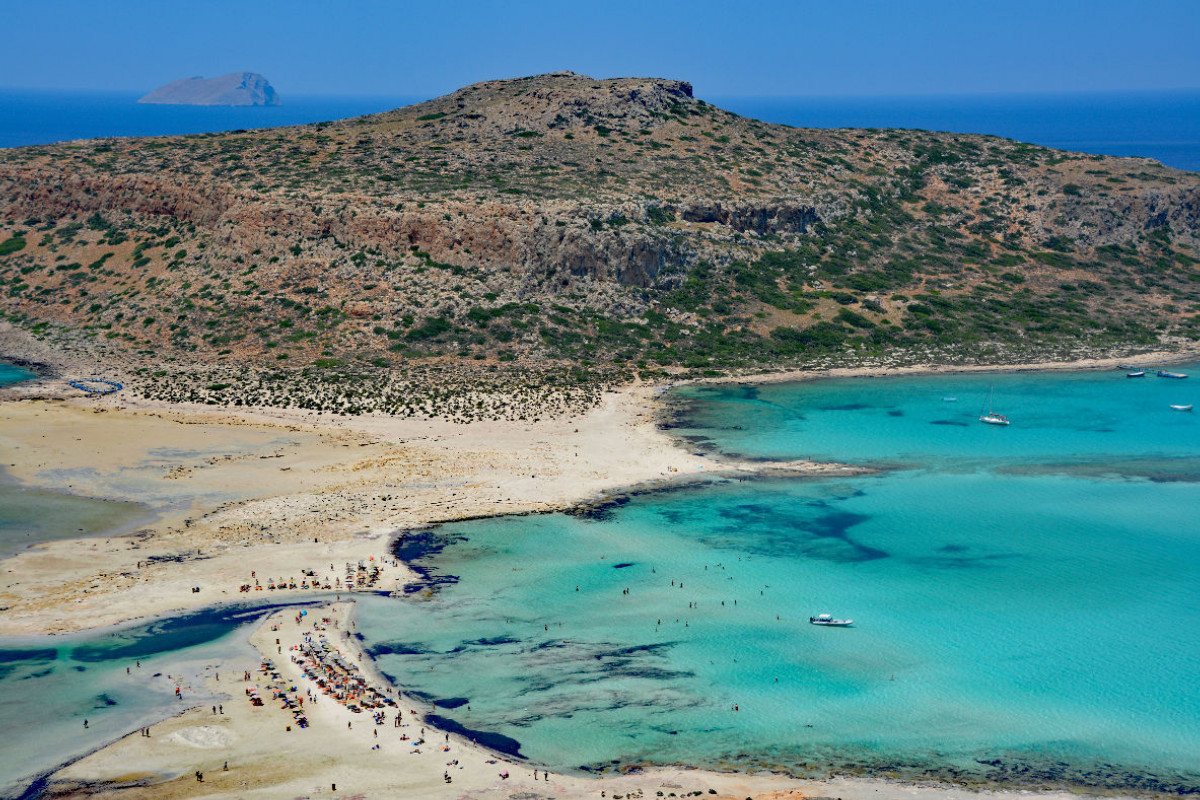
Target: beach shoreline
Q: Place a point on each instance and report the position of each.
(1148, 360)
(238, 753)
(446, 473)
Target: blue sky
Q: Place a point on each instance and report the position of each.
(836, 47)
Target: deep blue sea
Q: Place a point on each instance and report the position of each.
(1025, 598)
(1160, 125)
(30, 116)
(1164, 126)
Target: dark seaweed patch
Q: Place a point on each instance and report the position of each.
(770, 530)
(396, 649)
(493, 741)
(416, 547)
(599, 512)
(37, 654)
(166, 635)
(491, 641)
(955, 423)
(451, 702)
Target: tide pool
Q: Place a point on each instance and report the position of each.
(11, 374)
(29, 516)
(1025, 598)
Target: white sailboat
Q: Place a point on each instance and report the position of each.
(991, 417)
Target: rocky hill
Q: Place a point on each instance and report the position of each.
(234, 89)
(547, 230)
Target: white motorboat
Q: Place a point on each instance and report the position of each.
(1141, 373)
(1188, 407)
(829, 621)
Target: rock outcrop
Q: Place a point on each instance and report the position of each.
(234, 89)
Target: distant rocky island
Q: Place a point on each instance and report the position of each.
(234, 89)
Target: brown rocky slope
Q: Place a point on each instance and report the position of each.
(559, 231)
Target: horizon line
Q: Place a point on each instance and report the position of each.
(720, 95)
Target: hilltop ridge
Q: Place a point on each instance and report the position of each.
(559, 228)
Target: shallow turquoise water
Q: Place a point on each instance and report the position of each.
(1089, 418)
(1023, 596)
(11, 374)
(50, 684)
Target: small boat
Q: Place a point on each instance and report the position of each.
(991, 417)
(949, 399)
(1176, 375)
(829, 621)
(1138, 374)
(1188, 407)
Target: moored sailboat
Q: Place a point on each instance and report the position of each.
(991, 417)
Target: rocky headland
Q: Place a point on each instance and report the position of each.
(556, 234)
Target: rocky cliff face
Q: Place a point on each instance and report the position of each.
(558, 218)
(234, 89)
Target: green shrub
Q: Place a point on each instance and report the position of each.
(12, 245)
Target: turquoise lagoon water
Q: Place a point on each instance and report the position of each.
(11, 374)
(1026, 598)
(50, 684)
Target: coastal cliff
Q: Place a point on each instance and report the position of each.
(559, 227)
(234, 89)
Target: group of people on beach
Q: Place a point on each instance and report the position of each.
(363, 575)
(335, 675)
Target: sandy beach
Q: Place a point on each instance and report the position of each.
(266, 497)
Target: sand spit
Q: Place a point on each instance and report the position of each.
(273, 495)
(264, 497)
